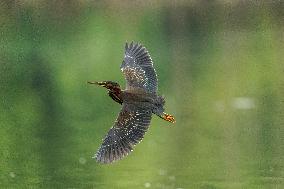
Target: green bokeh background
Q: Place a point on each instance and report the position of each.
(220, 65)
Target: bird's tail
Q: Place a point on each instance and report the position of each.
(168, 117)
(160, 110)
(161, 100)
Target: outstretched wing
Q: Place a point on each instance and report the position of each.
(138, 69)
(128, 130)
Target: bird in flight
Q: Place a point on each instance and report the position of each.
(139, 101)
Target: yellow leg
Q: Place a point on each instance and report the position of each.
(168, 117)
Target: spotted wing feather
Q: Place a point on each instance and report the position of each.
(138, 69)
(128, 130)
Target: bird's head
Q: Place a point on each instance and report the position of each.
(110, 85)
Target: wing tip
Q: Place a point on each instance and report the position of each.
(132, 46)
(119, 143)
(137, 51)
(108, 154)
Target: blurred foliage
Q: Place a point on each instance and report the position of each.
(220, 66)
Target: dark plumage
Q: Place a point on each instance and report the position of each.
(139, 101)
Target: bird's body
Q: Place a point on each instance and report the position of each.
(138, 98)
(139, 101)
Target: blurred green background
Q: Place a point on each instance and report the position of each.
(220, 66)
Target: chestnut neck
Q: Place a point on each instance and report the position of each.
(115, 94)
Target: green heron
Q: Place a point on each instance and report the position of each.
(139, 101)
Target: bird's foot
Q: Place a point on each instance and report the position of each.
(168, 118)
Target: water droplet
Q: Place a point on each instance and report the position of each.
(243, 103)
(12, 174)
(147, 185)
(82, 160)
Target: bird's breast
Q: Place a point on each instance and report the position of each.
(116, 96)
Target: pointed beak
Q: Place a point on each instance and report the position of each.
(103, 84)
